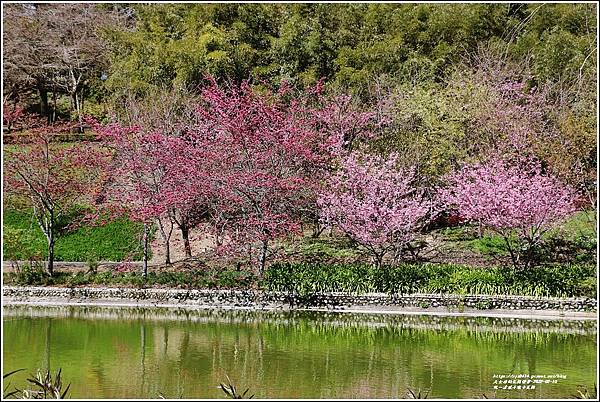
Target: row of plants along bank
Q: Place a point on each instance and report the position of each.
(564, 280)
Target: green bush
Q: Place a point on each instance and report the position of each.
(34, 274)
(31, 274)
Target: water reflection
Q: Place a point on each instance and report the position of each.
(129, 353)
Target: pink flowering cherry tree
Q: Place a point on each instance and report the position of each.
(55, 178)
(264, 160)
(375, 204)
(11, 114)
(153, 179)
(512, 198)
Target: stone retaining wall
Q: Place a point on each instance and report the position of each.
(279, 300)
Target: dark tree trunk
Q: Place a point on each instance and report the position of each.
(377, 260)
(317, 230)
(185, 234)
(263, 257)
(53, 118)
(43, 93)
(146, 232)
(168, 253)
(167, 239)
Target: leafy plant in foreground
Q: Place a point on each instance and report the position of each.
(231, 391)
(45, 386)
(584, 393)
(5, 392)
(419, 395)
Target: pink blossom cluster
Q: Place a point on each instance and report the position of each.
(11, 114)
(374, 203)
(510, 195)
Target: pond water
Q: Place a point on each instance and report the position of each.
(143, 353)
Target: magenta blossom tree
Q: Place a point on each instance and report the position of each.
(514, 199)
(248, 164)
(264, 160)
(375, 204)
(147, 178)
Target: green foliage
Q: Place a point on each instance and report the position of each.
(349, 44)
(492, 245)
(23, 244)
(31, 274)
(307, 279)
(327, 249)
(574, 241)
(584, 393)
(194, 279)
(115, 241)
(580, 225)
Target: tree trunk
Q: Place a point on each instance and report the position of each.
(168, 253)
(514, 255)
(146, 232)
(185, 234)
(317, 230)
(50, 262)
(167, 239)
(53, 118)
(78, 109)
(44, 102)
(377, 260)
(263, 257)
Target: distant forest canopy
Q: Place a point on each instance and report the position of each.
(452, 78)
(99, 51)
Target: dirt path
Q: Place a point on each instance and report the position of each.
(199, 242)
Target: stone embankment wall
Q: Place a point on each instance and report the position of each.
(279, 300)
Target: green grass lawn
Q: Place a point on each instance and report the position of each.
(115, 241)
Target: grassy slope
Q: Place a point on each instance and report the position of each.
(579, 228)
(115, 241)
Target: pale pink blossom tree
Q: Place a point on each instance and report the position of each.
(375, 204)
(512, 198)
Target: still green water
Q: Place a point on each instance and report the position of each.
(142, 353)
